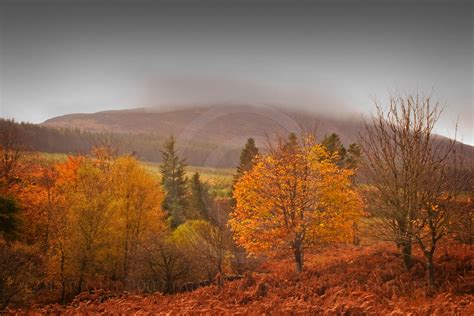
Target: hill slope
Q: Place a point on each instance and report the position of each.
(209, 135)
(231, 125)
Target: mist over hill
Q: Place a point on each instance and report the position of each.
(207, 135)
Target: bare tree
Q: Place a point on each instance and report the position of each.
(407, 166)
(11, 149)
(105, 146)
(164, 264)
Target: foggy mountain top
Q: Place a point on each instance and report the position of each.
(174, 93)
(330, 58)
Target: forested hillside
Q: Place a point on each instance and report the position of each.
(143, 146)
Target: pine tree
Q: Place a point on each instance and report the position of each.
(348, 158)
(9, 222)
(174, 182)
(199, 198)
(246, 157)
(353, 156)
(334, 145)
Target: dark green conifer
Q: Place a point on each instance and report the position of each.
(9, 222)
(246, 157)
(199, 198)
(174, 182)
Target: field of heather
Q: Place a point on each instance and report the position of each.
(338, 280)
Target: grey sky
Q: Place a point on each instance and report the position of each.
(59, 58)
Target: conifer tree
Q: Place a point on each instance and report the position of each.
(174, 182)
(353, 156)
(334, 145)
(348, 158)
(246, 161)
(198, 198)
(9, 222)
(246, 157)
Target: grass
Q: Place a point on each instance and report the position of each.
(218, 179)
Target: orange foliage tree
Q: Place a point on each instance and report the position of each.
(294, 197)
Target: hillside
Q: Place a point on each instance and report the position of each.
(340, 280)
(209, 135)
(230, 125)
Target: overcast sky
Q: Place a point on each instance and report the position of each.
(59, 57)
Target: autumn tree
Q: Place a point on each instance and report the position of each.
(11, 150)
(247, 156)
(105, 146)
(173, 179)
(136, 210)
(90, 211)
(103, 211)
(407, 165)
(464, 222)
(34, 194)
(164, 264)
(294, 197)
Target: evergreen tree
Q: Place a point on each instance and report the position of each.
(353, 156)
(174, 182)
(9, 222)
(334, 145)
(246, 157)
(199, 198)
(246, 161)
(348, 158)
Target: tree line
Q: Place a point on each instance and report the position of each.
(144, 146)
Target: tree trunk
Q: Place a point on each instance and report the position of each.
(355, 234)
(470, 228)
(298, 258)
(430, 278)
(63, 282)
(406, 253)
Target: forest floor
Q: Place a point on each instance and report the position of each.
(338, 280)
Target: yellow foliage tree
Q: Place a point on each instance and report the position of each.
(104, 210)
(295, 196)
(136, 209)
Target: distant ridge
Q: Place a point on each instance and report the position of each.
(230, 125)
(209, 135)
